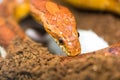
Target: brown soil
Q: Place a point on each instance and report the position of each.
(32, 61)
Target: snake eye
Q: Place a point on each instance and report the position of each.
(78, 34)
(61, 41)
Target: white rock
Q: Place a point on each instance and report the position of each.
(1, 1)
(35, 35)
(3, 52)
(90, 41)
(32, 33)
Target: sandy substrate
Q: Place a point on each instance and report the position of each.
(31, 61)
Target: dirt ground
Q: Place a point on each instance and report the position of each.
(32, 61)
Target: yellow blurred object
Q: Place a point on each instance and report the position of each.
(103, 5)
(21, 10)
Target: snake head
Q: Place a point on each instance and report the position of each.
(59, 22)
(67, 40)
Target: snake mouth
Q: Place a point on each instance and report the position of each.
(70, 47)
(70, 52)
